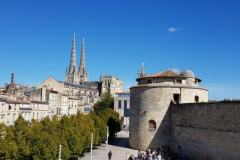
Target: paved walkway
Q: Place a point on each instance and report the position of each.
(119, 151)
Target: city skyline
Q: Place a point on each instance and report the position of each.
(36, 39)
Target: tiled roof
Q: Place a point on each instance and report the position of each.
(162, 74)
(167, 74)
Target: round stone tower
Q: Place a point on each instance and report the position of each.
(150, 100)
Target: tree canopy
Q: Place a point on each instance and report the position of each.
(40, 140)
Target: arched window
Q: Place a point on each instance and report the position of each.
(151, 125)
(196, 99)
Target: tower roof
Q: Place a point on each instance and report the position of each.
(171, 74)
(187, 74)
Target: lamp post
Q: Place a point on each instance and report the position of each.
(107, 138)
(91, 144)
(60, 152)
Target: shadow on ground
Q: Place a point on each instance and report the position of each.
(120, 142)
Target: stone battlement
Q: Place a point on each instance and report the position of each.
(206, 130)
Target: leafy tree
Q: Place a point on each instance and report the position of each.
(40, 140)
(105, 102)
(21, 132)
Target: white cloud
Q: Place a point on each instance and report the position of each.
(173, 29)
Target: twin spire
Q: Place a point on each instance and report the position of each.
(73, 56)
(72, 76)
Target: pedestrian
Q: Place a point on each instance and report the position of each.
(139, 156)
(131, 157)
(109, 155)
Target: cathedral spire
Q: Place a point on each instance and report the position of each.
(81, 69)
(73, 56)
(82, 72)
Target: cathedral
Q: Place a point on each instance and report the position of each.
(76, 93)
(55, 97)
(72, 74)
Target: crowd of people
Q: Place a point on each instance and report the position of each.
(156, 154)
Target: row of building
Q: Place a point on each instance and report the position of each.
(53, 97)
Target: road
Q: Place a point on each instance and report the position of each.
(119, 151)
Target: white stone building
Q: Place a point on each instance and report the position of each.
(122, 106)
(111, 84)
(40, 110)
(11, 109)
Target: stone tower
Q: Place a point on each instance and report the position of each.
(82, 72)
(72, 75)
(150, 101)
(12, 78)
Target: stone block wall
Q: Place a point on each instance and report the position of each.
(209, 131)
(149, 103)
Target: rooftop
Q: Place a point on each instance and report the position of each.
(171, 74)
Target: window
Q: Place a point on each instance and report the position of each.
(176, 98)
(151, 125)
(149, 80)
(119, 104)
(58, 111)
(125, 104)
(9, 107)
(178, 81)
(196, 99)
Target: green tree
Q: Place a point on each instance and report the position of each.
(21, 133)
(105, 102)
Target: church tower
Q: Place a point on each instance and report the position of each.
(71, 74)
(82, 72)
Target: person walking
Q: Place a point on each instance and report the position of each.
(139, 155)
(109, 155)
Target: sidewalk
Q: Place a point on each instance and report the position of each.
(119, 151)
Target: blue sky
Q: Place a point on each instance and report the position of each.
(201, 35)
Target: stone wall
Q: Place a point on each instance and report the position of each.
(208, 131)
(188, 95)
(151, 102)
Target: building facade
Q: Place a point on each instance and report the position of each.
(122, 106)
(111, 84)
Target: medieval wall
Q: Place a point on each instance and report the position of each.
(188, 95)
(208, 131)
(151, 102)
